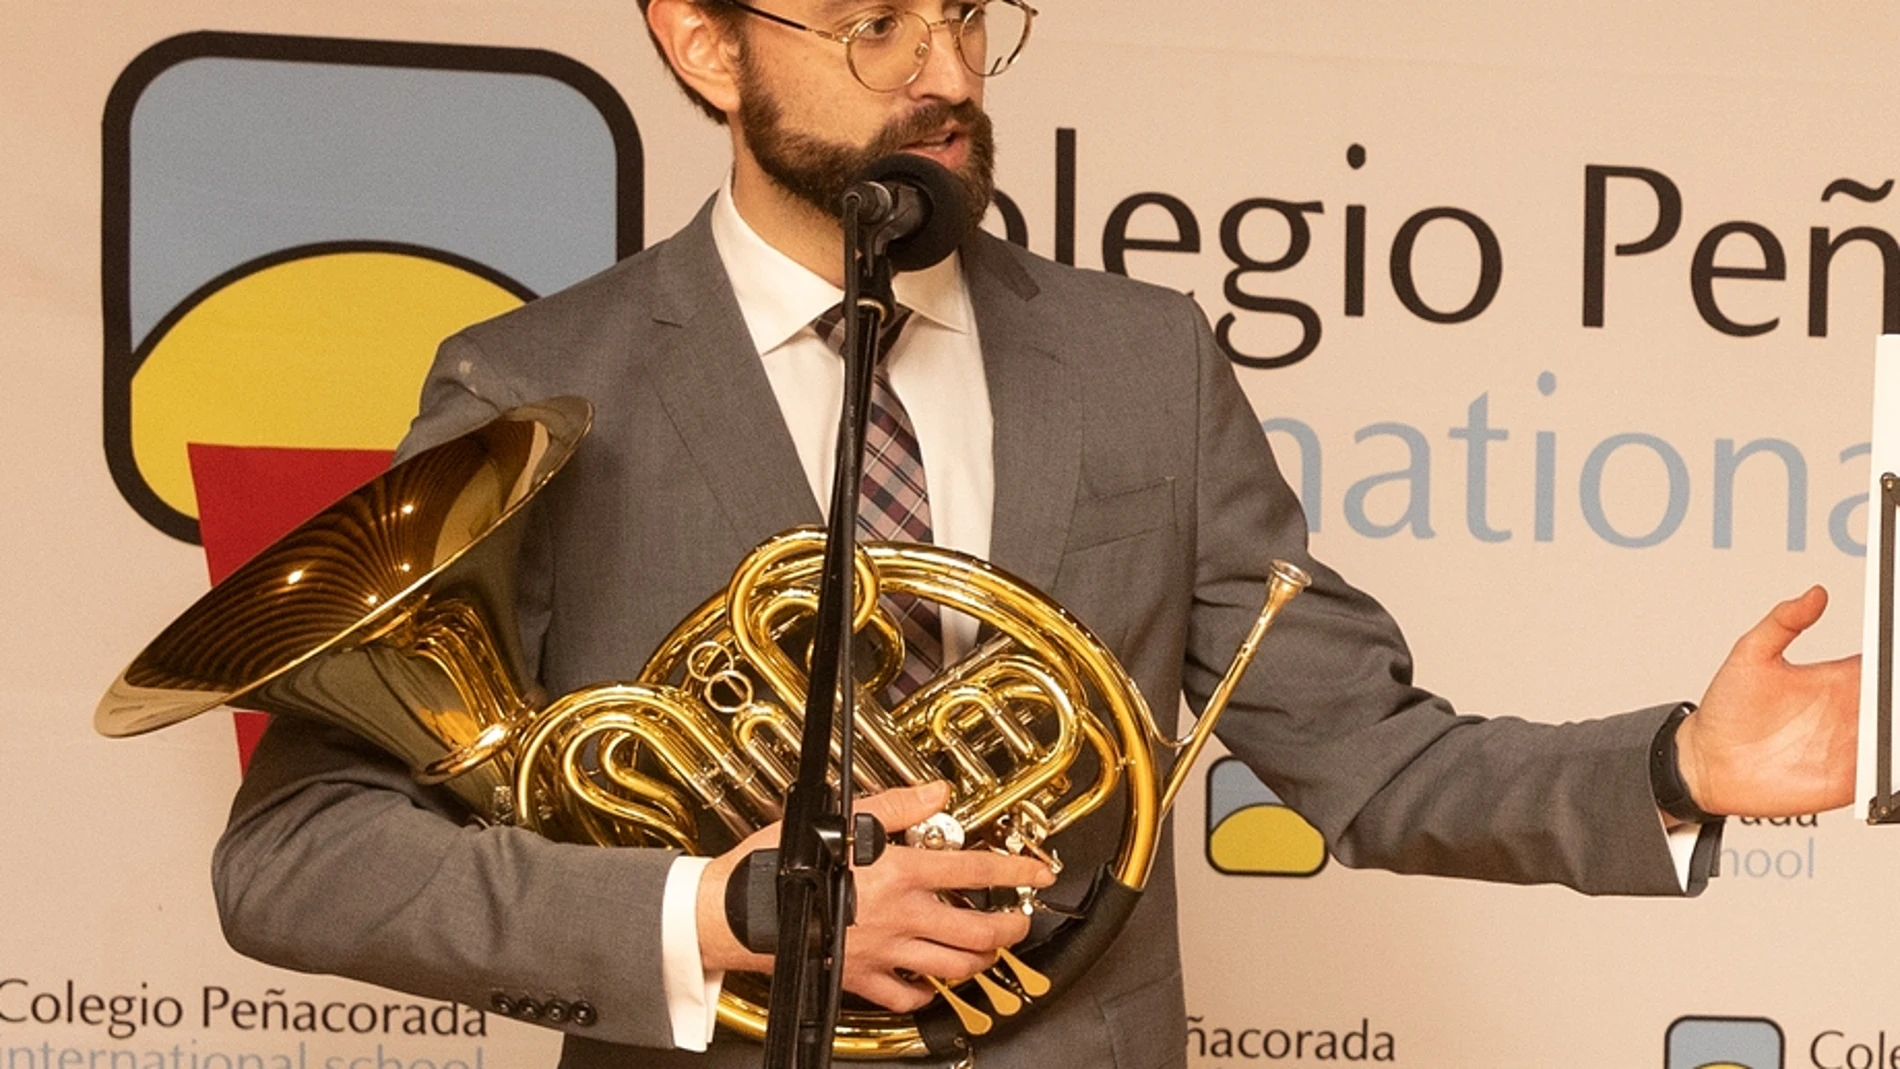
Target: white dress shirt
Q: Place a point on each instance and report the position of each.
(936, 369)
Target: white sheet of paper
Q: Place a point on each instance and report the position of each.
(1885, 459)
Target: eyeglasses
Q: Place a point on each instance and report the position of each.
(887, 48)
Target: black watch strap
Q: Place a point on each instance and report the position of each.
(1665, 773)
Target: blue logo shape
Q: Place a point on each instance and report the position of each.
(1724, 1043)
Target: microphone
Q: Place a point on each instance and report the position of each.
(916, 205)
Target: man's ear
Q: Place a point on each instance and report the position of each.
(699, 50)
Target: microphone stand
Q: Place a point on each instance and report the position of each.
(816, 896)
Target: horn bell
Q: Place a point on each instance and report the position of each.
(335, 622)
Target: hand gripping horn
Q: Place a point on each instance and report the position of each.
(389, 614)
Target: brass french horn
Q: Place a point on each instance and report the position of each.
(390, 614)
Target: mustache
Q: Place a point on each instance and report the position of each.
(927, 120)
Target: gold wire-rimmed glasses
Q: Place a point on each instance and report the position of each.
(886, 47)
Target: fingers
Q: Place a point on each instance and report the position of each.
(1800, 613)
(960, 870)
(890, 991)
(900, 920)
(900, 807)
(936, 870)
(1768, 639)
(949, 964)
(898, 897)
(888, 971)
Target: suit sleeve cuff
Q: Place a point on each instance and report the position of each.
(692, 993)
(1695, 849)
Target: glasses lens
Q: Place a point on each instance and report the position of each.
(887, 49)
(993, 36)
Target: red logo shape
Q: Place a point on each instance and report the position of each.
(250, 496)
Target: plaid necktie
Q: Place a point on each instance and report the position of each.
(893, 504)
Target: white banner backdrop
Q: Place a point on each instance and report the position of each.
(1594, 292)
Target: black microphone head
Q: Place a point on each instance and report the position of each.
(947, 221)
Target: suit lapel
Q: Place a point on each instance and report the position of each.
(709, 377)
(715, 391)
(1035, 400)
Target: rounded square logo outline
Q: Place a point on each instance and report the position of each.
(120, 358)
(1781, 1037)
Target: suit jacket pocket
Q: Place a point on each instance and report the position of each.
(1123, 514)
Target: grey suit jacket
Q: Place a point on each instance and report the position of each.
(1133, 483)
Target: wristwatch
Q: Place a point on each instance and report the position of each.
(1665, 773)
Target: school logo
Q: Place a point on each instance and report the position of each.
(292, 224)
(1251, 832)
(1724, 1043)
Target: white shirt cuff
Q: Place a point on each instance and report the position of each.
(692, 993)
(1682, 839)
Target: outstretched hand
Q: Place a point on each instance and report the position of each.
(1773, 738)
(903, 931)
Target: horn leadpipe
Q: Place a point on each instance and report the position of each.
(1284, 581)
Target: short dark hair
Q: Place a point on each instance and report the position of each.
(727, 18)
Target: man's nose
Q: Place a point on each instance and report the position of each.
(944, 74)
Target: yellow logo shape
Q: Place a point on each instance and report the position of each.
(1267, 838)
(327, 350)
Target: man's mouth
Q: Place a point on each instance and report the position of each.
(936, 143)
(947, 147)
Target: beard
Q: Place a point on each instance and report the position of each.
(819, 172)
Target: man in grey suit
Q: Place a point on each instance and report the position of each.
(1082, 431)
